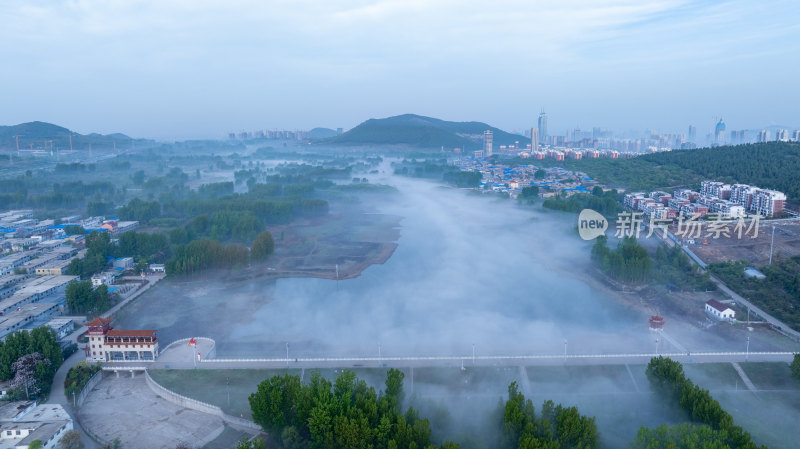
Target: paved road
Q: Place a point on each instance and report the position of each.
(465, 360)
(57, 397)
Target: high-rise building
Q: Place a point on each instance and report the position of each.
(534, 139)
(763, 135)
(542, 127)
(487, 143)
(595, 133)
(339, 131)
(782, 135)
(796, 135)
(719, 133)
(692, 133)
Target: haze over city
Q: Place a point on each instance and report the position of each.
(174, 70)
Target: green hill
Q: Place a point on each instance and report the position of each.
(36, 133)
(419, 131)
(321, 133)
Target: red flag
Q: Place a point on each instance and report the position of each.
(192, 342)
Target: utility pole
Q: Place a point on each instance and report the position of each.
(772, 244)
(287, 353)
(565, 349)
(473, 354)
(379, 353)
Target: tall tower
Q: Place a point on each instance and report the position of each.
(487, 143)
(542, 127)
(534, 139)
(692, 133)
(719, 133)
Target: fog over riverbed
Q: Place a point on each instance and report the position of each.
(468, 270)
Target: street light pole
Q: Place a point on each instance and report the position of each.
(565, 349)
(473, 354)
(287, 353)
(747, 356)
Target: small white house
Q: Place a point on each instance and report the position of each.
(157, 267)
(719, 310)
(104, 278)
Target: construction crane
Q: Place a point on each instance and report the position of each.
(17, 137)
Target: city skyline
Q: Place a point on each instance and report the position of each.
(173, 71)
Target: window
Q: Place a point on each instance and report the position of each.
(19, 432)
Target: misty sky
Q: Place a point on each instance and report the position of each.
(181, 69)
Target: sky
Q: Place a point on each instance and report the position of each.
(179, 69)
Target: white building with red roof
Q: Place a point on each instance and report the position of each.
(719, 310)
(107, 344)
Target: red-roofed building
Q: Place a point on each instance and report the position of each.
(719, 310)
(107, 344)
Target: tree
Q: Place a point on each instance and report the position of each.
(74, 230)
(394, 386)
(25, 370)
(796, 366)
(83, 298)
(35, 444)
(70, 440)
(263, 246)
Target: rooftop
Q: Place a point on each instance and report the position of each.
(718, 305)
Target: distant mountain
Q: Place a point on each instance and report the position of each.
(43, 135)
(419, 131)
(321, 133)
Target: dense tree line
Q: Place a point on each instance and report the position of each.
(345, 413)
(83, 298)
(468, 179)
(667, 377)
(41, 341)
(139, 210)
(604, 202)
(796, 366)
(204, 254)
(629, 262)
(772, 165)
(215, 190)
(98, 249)
(778, 294)
(555, 427)
(672, 266)
(681, 436)
(141, 245)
